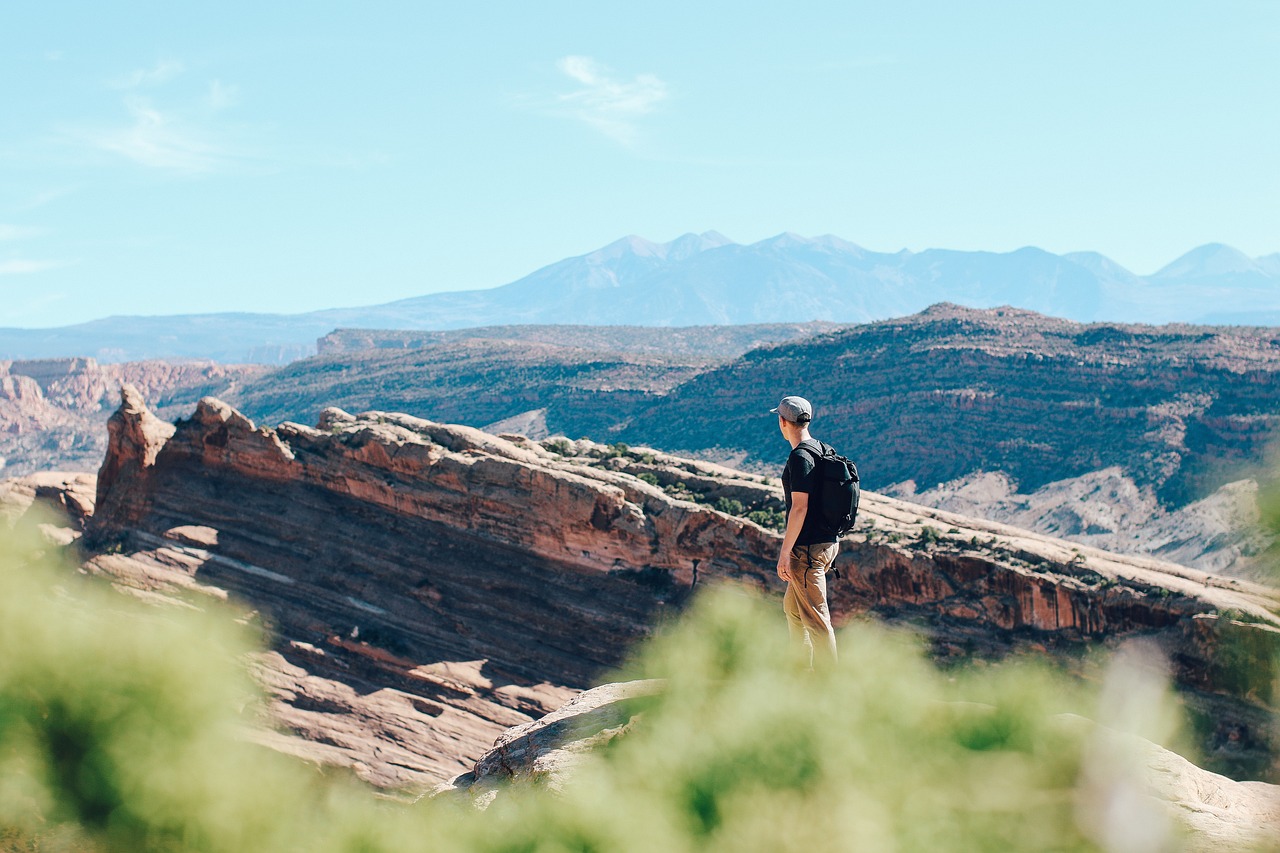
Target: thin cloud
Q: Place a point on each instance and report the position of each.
(25, 267)
(160, 139)
(161, 72)
(609, 105)
(40, 199)
(221, 96)
(18, 232)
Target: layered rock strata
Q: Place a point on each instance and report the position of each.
(429, 585)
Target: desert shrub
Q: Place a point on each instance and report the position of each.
(679, 490)
(119, 727)
(615, 450)
(562, 446)
(646, 477)
(729, 506)
(771, 519)
(929, 535)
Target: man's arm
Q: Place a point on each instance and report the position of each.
(795, 522)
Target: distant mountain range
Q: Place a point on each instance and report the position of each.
(706, 278)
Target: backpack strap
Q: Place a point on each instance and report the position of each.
(817, 452)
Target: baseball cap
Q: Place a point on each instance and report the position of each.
(794, 409)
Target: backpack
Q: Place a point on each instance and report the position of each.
(838, 487)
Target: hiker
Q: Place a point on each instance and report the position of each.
(808, 548)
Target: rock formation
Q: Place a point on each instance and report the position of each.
(428, 586)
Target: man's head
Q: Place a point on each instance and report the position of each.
(794, 414)
(794, 410)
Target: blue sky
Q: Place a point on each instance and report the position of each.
(177, 157)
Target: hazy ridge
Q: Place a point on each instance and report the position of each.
(709, 279)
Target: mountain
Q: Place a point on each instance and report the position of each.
(708, 279)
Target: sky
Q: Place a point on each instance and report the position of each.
(174, 157)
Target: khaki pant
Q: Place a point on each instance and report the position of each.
(808, 617)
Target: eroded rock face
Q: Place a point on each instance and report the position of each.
(135, 438)
(481, 579)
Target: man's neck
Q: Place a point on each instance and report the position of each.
(797, 437)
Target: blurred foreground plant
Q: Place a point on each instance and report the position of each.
(121, 729)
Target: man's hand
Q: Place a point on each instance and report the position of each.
(795, 523)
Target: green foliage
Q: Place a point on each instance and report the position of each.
(729, 506)
(562, 446)
(679, 490)
(771, 519)
(647, 477)
(119, 730)
(929, 535)
(744, 751)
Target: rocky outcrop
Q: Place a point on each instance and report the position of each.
(482, 579)
(135, 437)
(62, 503)
(546, 751)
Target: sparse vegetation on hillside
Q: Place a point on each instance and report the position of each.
(951, 391)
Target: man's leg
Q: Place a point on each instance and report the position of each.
(809, 563)
(795, 625)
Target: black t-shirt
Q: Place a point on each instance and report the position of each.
(799, 476)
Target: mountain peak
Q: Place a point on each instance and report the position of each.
(629, 245)
(1100, 265)
(1208, 260)
(785, 240)
(690, 244)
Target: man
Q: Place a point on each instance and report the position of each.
(807, 548)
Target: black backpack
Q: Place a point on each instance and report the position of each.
(838, 487)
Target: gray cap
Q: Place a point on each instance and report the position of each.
(794, 409)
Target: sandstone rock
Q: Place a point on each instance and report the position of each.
(135, 438)
(545, 752)
(70, 495)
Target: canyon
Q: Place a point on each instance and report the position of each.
(424, 586)
(1137, 439)
(53, 412)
